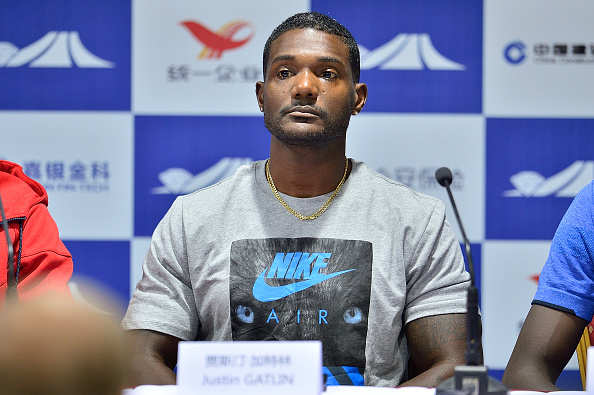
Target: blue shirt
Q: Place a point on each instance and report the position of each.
(567, 280)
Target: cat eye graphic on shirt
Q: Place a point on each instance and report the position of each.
(353, 315)
(245, 314)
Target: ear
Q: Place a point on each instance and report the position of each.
(361, 97)
(260, 94)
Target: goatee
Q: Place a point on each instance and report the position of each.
(332, 129)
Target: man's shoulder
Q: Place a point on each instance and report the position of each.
(586, 196)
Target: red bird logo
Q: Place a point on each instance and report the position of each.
(222, 40)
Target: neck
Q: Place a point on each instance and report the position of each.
(303, 172)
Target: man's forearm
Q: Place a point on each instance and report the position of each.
(528, 378)
(153, 356)
(436, 344)
(149, 370)
(431, 377)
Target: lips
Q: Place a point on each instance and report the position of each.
(303, 111)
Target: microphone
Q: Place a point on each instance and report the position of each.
(472, 378)
(10, 281)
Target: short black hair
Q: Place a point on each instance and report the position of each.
(321, 22)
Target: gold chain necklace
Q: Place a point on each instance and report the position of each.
(321, 210)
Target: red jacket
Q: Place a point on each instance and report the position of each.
(41, 261)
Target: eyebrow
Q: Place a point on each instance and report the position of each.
(322, 59)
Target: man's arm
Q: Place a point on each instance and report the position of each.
(436, 344)
(153, 356)
(546, 343)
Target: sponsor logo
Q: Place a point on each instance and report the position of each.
(178, 181)
(551, 53)
(407, 52)
(54, 50)
(70, 177)
(231, 36)
(514, 53)
(566, 183)
(215, 43)
(292, 266)
(422, 178)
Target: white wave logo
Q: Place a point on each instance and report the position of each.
(566, 183)
(407, 52)
(179, 181)
(54, 50)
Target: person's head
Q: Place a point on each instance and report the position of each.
(309, 91)
(52, 345)
(321, 22)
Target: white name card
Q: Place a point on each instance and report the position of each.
(251, 367)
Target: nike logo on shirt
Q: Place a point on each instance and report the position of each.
(268, 293)
(281, 267)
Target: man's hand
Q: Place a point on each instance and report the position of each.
(436, 344)
(153, 357)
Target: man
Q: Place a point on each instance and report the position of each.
(309, 244)
(41, 261)
(563, 304)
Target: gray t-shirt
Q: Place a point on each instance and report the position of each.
(229, 262)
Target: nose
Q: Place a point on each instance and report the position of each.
(305, 86)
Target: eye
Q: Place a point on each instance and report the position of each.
(282, 74)
(328, 74)
(353, 315)
(245, 314)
